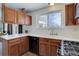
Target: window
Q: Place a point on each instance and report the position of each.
(54, 19)
(43, 21)
(50, 20)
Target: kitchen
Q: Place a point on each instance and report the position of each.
(28, 29)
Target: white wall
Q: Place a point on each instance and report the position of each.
(66, 30)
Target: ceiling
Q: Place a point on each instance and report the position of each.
(29, 7)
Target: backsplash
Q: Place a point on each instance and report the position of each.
(65, 31)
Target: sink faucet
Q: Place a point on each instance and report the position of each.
(53, 33)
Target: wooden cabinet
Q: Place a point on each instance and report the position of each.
(9, 15)
(54, 44)
(53, 50)
(14, 50)
(11, 47)
(15, 47)
(20, 17)
(44, 47)
(24, 45)
(12, 16)
(70, 11)
(28, 20)
(48, 47)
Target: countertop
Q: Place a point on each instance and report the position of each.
(60, 37)
(9, 37)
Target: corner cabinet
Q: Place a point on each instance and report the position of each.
(15, 47)
(9, 15)
(70, 12)
(48, 47)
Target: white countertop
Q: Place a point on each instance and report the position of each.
(9, 37)
(60, 37)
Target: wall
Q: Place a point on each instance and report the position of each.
(65, 30)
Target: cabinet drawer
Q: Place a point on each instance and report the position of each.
(44, 40)
(14, 41)
(55, 42)
(23, 38)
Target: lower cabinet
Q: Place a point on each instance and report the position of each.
(14, 50)
(18, 46)
(15, 47)
(43, 49)
(53, 50)
(24, 46)
(48, 47)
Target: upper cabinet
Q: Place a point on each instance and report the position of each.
(28, 20)
(9, 15)
(70, 11)
(20, 17)
(23, 18)
(12, 16)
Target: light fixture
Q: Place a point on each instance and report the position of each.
(50, 4)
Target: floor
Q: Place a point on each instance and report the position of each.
(29, 54)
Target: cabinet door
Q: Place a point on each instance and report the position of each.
(24, 45)
(9, 15)
(20, 17)
(54, 45)
(43, 49)
(13, 47)
(28, 20)
(53, 50)
(14, 50)
(70, 14)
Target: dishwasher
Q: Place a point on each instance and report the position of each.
(34, 44)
